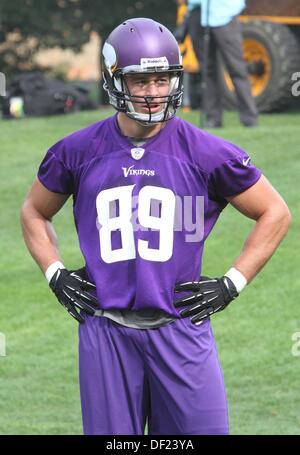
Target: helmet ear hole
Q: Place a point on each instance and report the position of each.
(118, 84)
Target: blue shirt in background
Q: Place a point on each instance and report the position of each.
(220, 13)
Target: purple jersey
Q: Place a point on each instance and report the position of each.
(142, 214)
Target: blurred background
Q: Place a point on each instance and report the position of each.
(49, 53)
(62, 39)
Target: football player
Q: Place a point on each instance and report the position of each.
(138, 178)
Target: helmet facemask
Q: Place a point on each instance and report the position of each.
(121, 98)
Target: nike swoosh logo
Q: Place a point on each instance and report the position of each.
(246, 161)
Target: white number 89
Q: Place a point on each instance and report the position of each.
(164, 223)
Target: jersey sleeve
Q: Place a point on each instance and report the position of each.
(53, 172)
(232, 176)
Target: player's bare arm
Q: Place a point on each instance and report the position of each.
(37, 212)
(70, 288)
(262, 203)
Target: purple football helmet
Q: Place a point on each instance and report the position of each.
(142, 46)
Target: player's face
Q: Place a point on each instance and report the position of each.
(148, 85)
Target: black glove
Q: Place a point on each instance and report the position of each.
(71, 288)
(209, 295)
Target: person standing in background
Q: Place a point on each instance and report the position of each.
(219, 19)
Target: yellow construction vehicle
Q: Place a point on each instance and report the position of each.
(271, 40)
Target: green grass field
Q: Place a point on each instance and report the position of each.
(39, 392)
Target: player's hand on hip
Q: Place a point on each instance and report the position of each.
(72, 291)
(206, 297)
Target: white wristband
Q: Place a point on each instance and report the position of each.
(237, 278)
(52, 269)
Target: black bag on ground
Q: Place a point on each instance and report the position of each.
(36, 95)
